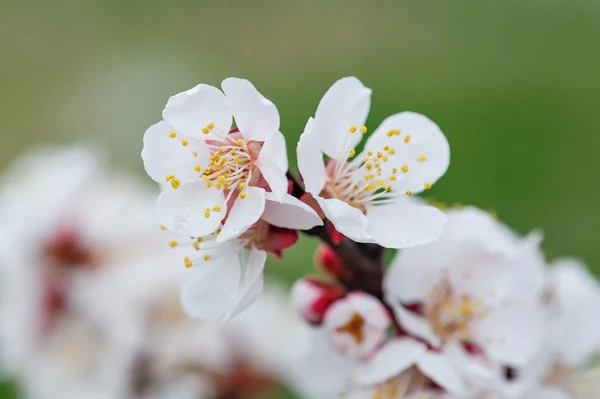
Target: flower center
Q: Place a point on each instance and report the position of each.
(354, 327)
(408, 382)
(367, 178)
(449, 315)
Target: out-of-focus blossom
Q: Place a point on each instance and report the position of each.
(216, 175)
(311, 298)
(327, 260)
(478, 285)
(365, 195)
(70, 234)
(356, 325)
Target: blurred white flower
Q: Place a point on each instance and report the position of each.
(356, 325)
(214, 172)
(478, 285)
(67, 232)
(366, 197)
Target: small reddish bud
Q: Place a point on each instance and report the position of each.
(326, 259)
(311, 297)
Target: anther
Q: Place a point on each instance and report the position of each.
(163, 228)
(363, 129)
(352, 129)
(217, 208)
(208, 184)
(206, 257)
(205, 130)
(242, 195)
(175, 182)
(404, 168)
(407, 138)
(427, 185)
(240, 142)
(172, 134)
(173, 243)
(184, 142)
(195, 153)
(211, 125)
(187, 262)
(408, 192)
(207, 213)
(352, 153)
(197, 168)
(242, 185)
(394, 170)
(169, 177)
(422, 158)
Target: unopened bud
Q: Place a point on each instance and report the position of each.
(327, 260)
(311, 297)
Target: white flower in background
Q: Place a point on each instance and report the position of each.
(356, 325)
(478, 285)
(365, 195)
(67, 232)
(227, 277)
(213, 172)
(404, 368)
(572, 344)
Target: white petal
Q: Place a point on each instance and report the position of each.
(310, 160)
(426, 139)
(244, 213)
(223, 287)
(165, 156)
(182, 210)
(252, 276)
(393, 358)
(407, 281)
(255, 116)
(348, 220)
(416, 325)
(404, 223)
(442, 372)
(345, 104)
(290, 213)
(273, 164)
(192, 110)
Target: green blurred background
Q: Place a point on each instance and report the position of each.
(514, 84)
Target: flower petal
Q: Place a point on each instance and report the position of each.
(404, 223)
(165, 156)
(310, 160)
(192, 110)
(348, 220)
(183, 210)
(345, 104)
(244, 213)
(393, 358)
(223, 287)
(426, 154)
(273, 164)
(415, 324)
(290, 213)
(442, 372)
(255, 116)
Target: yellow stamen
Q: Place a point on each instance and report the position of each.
(352, 129)
(175, 183)
(242, 195)
(217, 208)
(206, 257)
(404, 168)
(240, 142)
(394, 170)
(205, 130)
(407, 138)
(197, 168)
(207, 213)
(427, 185)
(408, 192)
(184, 142)
(393, 178)
(388, 187)
(369, 153)
(196, 246)
(169, 177)
(187, 262)
(208, 184)
(421, 158)
(163, 228)
(172, 134)
(242, 185)
(195, 153)
(363, 129)
(173, 243)
(211, 125)
(352, 153)
(218, 186)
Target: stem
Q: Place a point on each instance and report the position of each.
(362, 263)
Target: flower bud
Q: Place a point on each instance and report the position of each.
(311, 297)
(356, 325)
(327, 260)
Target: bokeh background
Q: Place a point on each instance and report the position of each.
(514, 84)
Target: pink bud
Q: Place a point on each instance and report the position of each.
(327, 260)
(311, 297)
(356, 325)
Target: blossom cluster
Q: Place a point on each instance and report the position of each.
(466, 308)
(112, 290)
